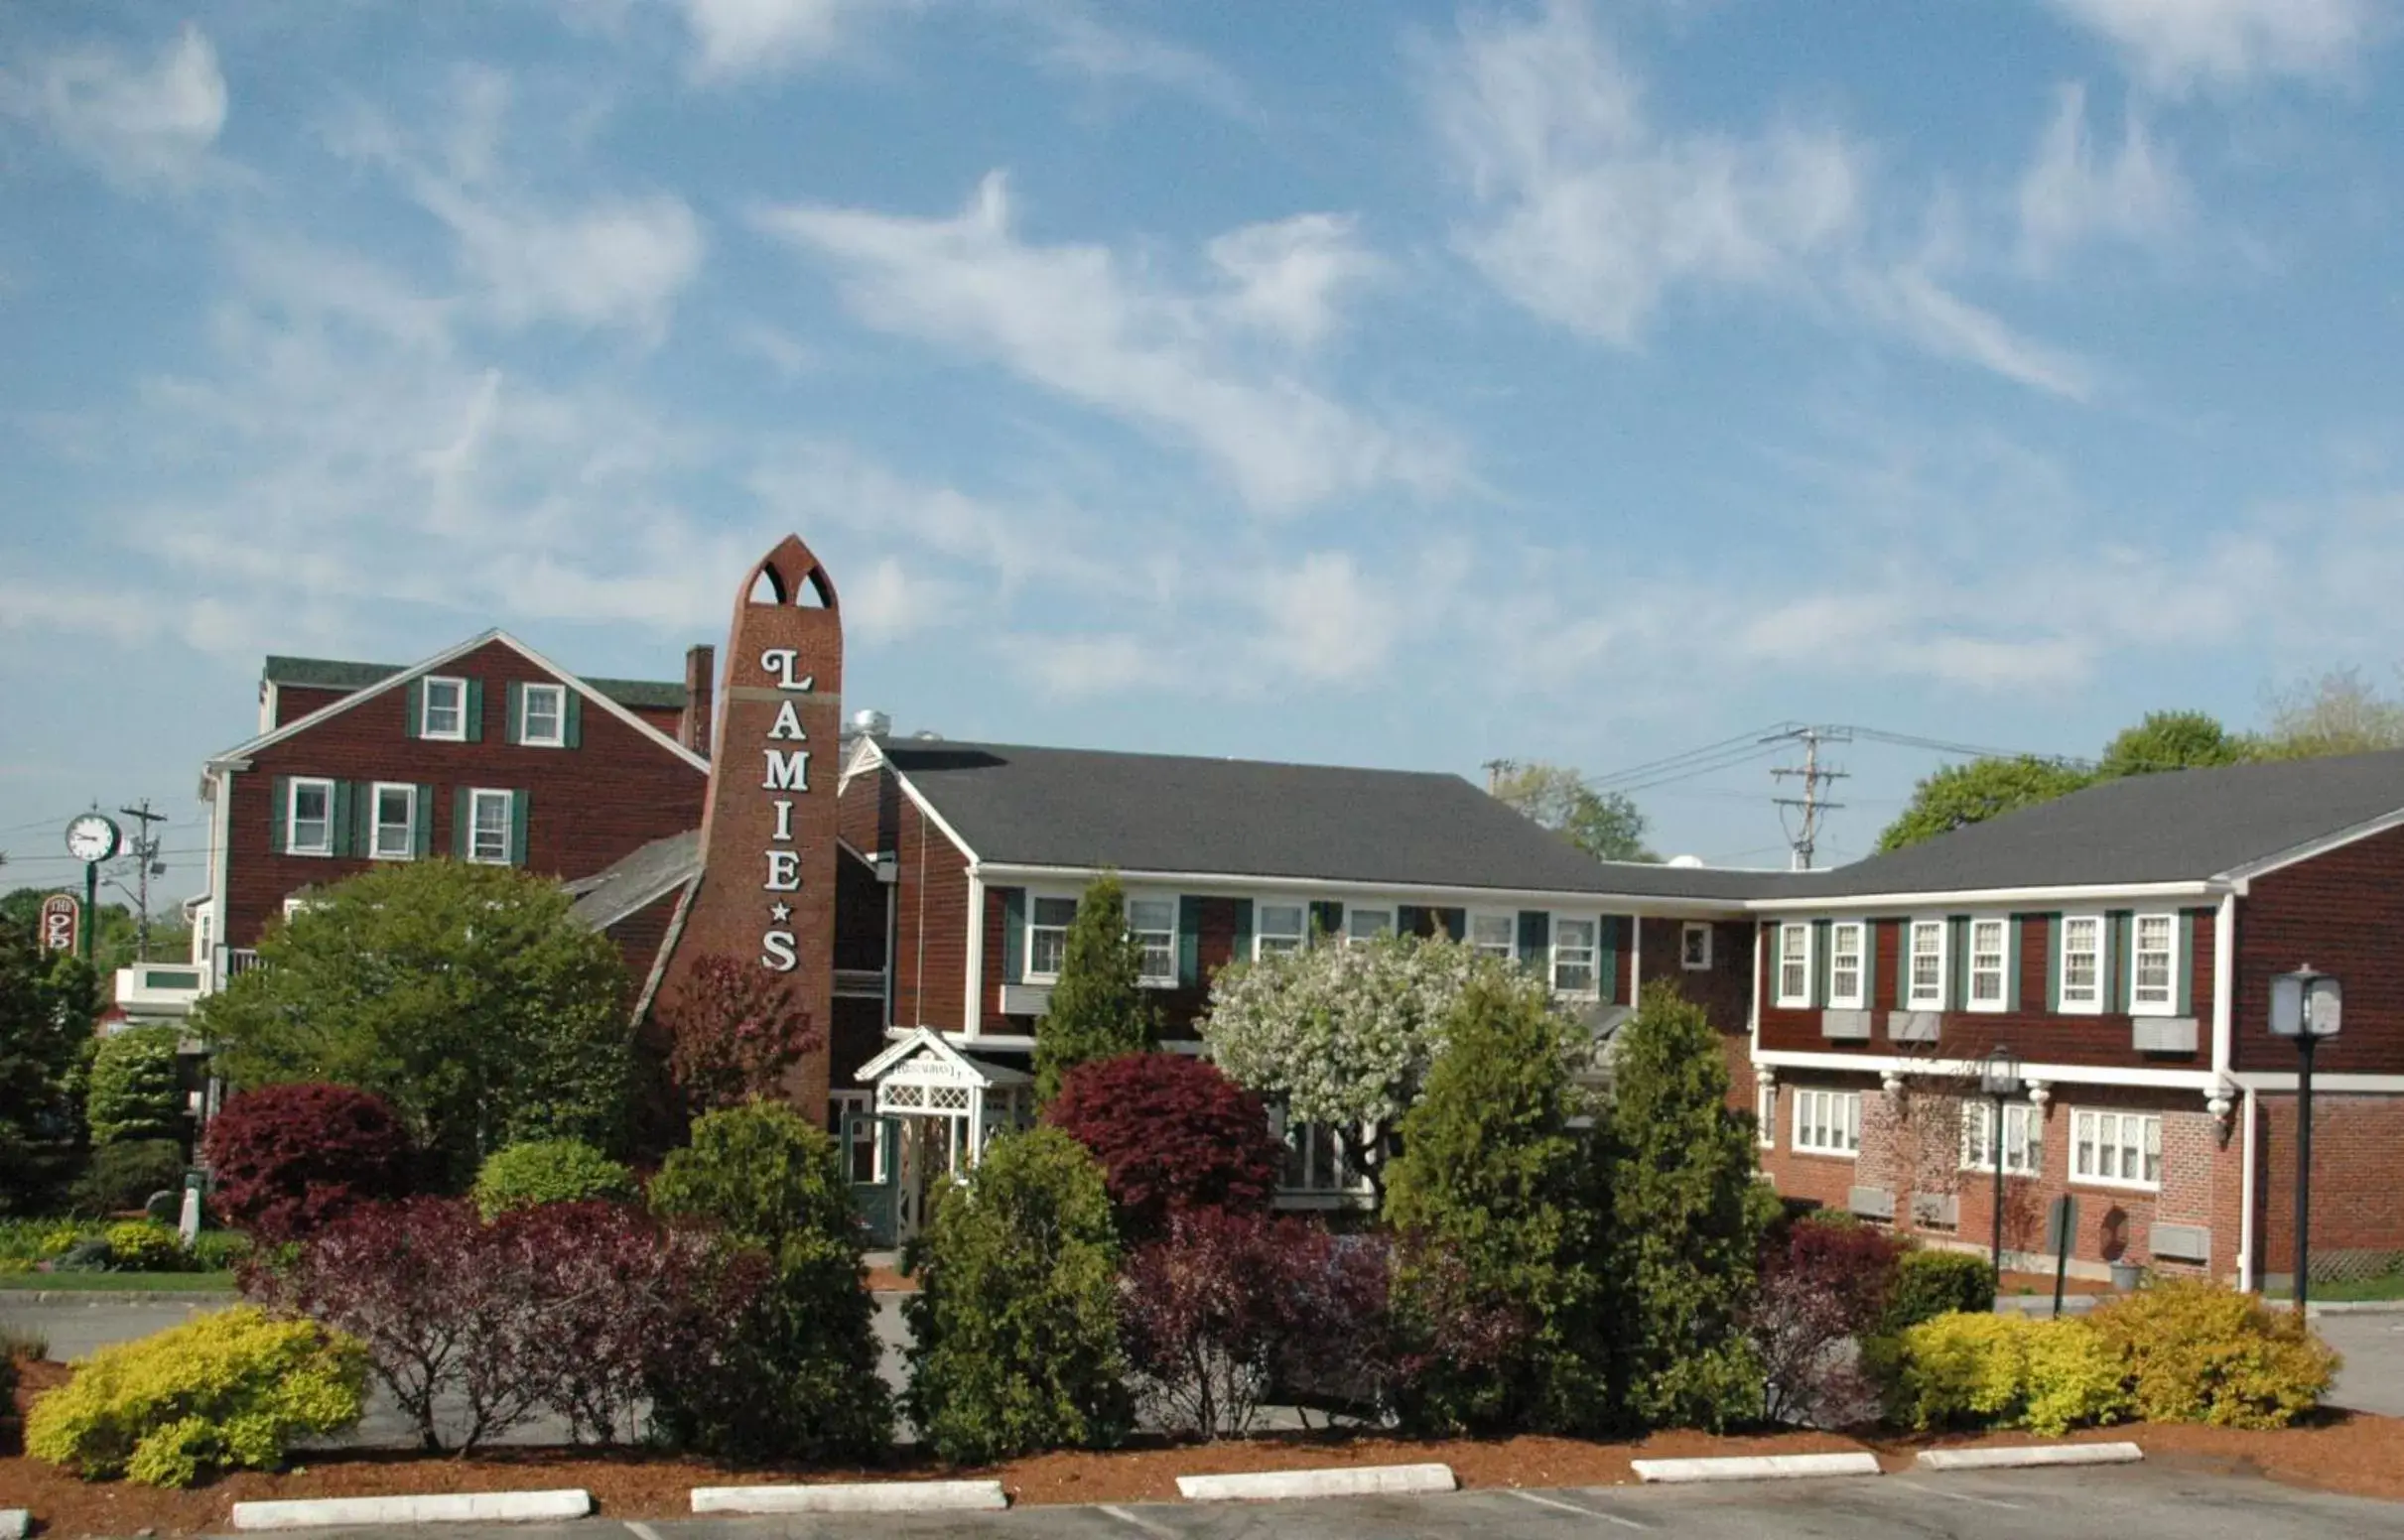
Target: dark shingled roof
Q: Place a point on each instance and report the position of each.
(620, 889)
(334, 674)
(2179, 826)
(1086, 809)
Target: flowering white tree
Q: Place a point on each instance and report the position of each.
(1342, 1035)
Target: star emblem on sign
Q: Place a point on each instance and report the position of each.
(780, 913)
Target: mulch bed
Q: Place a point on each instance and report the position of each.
(2340, 1452)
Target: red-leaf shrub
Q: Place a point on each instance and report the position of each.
(733, 1030)
(289, 1158)
(1172, 1133)
(473, 1328)
(1830, 1286)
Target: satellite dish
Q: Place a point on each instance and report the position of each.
(1687, 862)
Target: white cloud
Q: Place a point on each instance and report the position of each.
(2067, 197)
(138, 124)
(1093, 664)
(2176, 46)
(757, 37)
(1912, 304)
(1322, 620)
(1078, 41)
(1130, 341)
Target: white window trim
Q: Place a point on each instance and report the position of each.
(1912, 998)
(2168, 1006)
(425, 723)
(2003, 970)
(1026, 938)
(1510, 927)
(2126, 1184)
(477, 796)
(1394, 921)
(1176, 903)
(1778, 963)
(1765, 1113)
(558, 717)
(375, 820)
(2092, 1006)
(1859, 998)
(1803, 1096)
(2029, 1145)
(1300, 939)
(1687, 932)
(1593, 950)
(292, 804)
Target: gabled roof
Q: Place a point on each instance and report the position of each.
(636, 879)
(1084, 810)
(2182, 825)
(364, 692)
(337, 673)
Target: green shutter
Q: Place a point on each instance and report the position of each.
(1869, 964)
(421, 818)
(1536, 936)
(1326, 918)
(1456, 923)
(1189, 941)
(476, 711)
(1243, 940)
(1407, 918)
(2118, 927)
(513, 725)
(571, 720)
(462, 824)
(518, 804)
(276, 835)
(2011, 961)
(1903, 963)
(1820, 960)
(2184, 989)
(1013, 936)
(2052, 964)
(1957, 961)
(1606, 959)
(417, 707)
(342, 838)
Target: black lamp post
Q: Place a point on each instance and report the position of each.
(2304, 1005)
(1999, 1081)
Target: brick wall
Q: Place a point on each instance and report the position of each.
(930, 899)
(2357, 1210)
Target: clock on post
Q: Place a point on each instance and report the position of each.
(92, 839)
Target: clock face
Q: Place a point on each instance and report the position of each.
(91, 838)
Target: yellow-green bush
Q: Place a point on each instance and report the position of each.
(2200, 1352)
(2008, 1370)
(222, 1391)
(141, 1246)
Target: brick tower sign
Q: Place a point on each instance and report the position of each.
(767, 833)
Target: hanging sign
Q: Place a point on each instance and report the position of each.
(61, 923)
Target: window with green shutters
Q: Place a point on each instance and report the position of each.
(306, 806)
(444, 709)
(539, 714)
(492, 827)
(1153, 924)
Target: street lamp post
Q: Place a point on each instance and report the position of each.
(2304, 1005)
(1999, 1081)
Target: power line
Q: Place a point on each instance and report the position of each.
(1648, 767)
(1970, 751)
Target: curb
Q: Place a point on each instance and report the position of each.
(2029, 1455)
(2353, 1308)
(1756, 1468)
(119, 1296)
(436, 1508)
(1340, 1481)
(853, 1497)
(14, 1522)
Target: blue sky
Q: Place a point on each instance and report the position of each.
(1403, 385)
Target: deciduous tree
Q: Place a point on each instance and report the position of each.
(733, 1030)
(1960, 794)
(1607, 825)
(1172, 1133)
(2341, 712)
(2171, 741)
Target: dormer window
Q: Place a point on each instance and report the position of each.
(543, 715)
(446, 707)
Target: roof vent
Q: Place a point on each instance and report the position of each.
(871, 721)
(927, 735)
(1687, 863)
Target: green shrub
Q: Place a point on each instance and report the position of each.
(223, 1391)
(140, 1246)
(2008, 1370)
(2200, 1352)
(122, 1175)
(800, 1378)
(131, 1094)
(1929, 1284)
(545, 1171)
(26, 1243)
(220, 1250)
(1014, 1328)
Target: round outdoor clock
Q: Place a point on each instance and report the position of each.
(92, 838)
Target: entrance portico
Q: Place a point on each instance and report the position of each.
(938, 1106)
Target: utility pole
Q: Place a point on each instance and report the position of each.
(146, 855)
(1496, 769)
(1806, 840)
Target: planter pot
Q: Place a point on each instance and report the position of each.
(2125, 1276)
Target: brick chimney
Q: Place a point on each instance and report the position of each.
(701, 679)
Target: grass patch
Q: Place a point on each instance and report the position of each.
(2353, 1290)
(120, 1283)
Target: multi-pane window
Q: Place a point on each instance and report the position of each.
(2023, 1138)
(309, 818)
(489, 824)
(1765, 1113)
(446, 709)
(2154, 954)
(2120, 1148)
(1794, 964)
(1694, 945)
(1280, 928)
(1153, 924)
(1364, 925)
(1047, 923)
(1827, 1122)
(1987, 957)
(1847, 980)
(1574, 952)
(545, 715)
(1927, 966)
(395, 822)
(1495, 934)
(2082, 963)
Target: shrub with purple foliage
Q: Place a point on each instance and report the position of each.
(1172, 1133)
(1830, 1285)
(289, 1159)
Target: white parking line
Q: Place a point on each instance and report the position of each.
(1957, 1496)
(1158, 1531)
(641, 1531)
(1571, 1507)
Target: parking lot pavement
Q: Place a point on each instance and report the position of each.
(76, 1327)
(2373, 1344)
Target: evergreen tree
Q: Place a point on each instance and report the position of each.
(1687, 1218)
(47, 1004)
(132, 1092)
(1499, 1200)
(1099, 1009)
